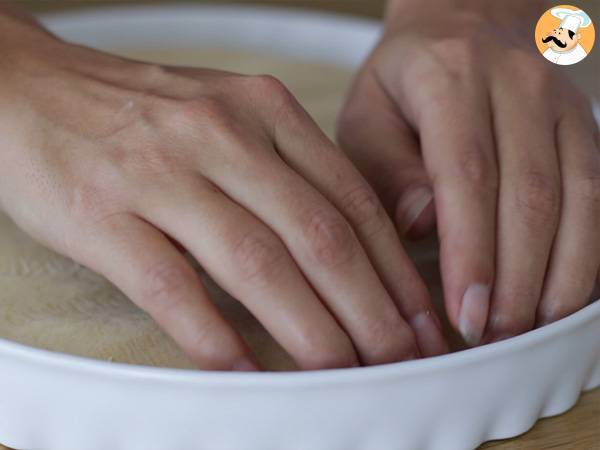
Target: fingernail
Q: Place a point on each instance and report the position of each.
(474, 313)
(429, 336)
(244, 365)
(410, 207)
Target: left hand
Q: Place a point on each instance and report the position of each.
(455, 117)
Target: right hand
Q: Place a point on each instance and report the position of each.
(112, 162)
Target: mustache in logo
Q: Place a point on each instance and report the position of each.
(556, 41)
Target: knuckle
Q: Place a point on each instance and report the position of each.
(536, 85)
(588, 188)
(456, 50)
(476, 169)
(330, 238)
(450, 64)
(203, 120)
(268, 86)
(535, 77)
(153, 75)
(364, 209)
(456, 55)
(538, 198)
(258, 257)
(164, 285)
(270, 91)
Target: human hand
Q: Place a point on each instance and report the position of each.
(455, 117)
(113, 163)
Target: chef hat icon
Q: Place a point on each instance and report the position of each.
(572, 19)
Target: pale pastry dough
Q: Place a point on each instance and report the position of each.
(50, 302)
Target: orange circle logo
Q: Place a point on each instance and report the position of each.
(565, 35)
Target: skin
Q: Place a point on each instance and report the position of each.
(455, 119)
(121, 165)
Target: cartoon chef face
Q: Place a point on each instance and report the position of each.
(562, 40)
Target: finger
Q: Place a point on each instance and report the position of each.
(380, 143)
(308, 151)
(576, 252)
(141, 261)
(330, 255)
(528, 209)
(251, 263)
(323, 245)
(454, 123)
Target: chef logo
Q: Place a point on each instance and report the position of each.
(565, 35)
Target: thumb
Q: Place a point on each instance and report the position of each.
(378, 140)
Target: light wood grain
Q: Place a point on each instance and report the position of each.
(577, 429)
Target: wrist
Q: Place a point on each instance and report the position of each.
(17, 27)
(23, 43)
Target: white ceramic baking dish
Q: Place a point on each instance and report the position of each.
(52, 401)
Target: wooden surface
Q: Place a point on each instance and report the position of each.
(578, 429)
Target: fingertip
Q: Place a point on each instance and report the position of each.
(473, 314)
(245, 365)
(407, 349)
(542, 322)
(328, 360)
(392, 346)
(430, 339)
(413, 210)
(223, 351)
(400, 345)
(424, 225)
